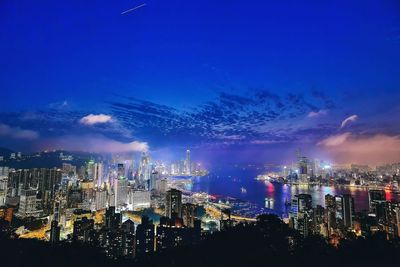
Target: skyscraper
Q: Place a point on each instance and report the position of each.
(54, 232)
(173, 203)
(345, 210)
(301, 213)
(187, 163)
(189, 214)
(145, 236)
(375, 197)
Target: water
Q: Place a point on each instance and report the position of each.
(229, 182)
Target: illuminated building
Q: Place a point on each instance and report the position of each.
(330, 212)
(187, 163)
(3, 190)
(54, 232)
(121, 191)
(144, 171)
(169, 234)
(27, 204)
(173, 203)
(145, 236)
(161, 186)
(128, 240)
(375, 197)
(154, 177)
(68, 169)
(98, 174)
(139, 198)
(83, 230)
(113, 219)
(345, 210)
(100, 199)
(121, 171)
(189, 214)
(301, 213)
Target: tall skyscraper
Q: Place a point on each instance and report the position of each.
(113, 220)
(189, 214)
(173, 203)
(145, 236)
(345, 210)
(98, 174)
(54, 232)
(188, 163)
(301, 213)
(330, 209)
(374, 198)
(121, 191)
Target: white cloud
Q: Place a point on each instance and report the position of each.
(368, 149)
(92, 119)
(264, 142)
(315, 114)
(335, 140)
(97, 144)
(348, 120)
(17, 133)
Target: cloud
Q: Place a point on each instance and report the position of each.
(366, 149)
(235, 118)
(96, 144)
(17, 133)
(335, 140)
(348, 120)
(264, 142)
(315, 114)
(63, 105)
(93, 119)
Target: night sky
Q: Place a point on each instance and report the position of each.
(234, 81)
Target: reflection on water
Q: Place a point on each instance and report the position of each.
(274, 195)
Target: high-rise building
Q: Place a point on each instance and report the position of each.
(187, 163)
(121, 191)
(330, 212)
(161, 186)
(145, 236)
(113, 220)
(144, 171)
(301, 213)
(121, 171)
(345, 210)
(189, 214)
(54, 232)
(98, 169)
(374, 198)
(83, 230)
(27, 204)
(128, 240)
(169, 234)
(139, 198)
(100, 199)
(173, 203)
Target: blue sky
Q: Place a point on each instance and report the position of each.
(249, 79)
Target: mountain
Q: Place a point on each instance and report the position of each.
(47, 159)
(5, 152)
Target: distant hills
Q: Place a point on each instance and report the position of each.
(5, 152)
(46, 159)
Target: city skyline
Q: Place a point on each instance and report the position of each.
(253, 86)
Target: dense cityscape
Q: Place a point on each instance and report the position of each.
(127, 209)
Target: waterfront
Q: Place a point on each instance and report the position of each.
(230, 181)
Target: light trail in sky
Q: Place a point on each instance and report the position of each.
(132, 9)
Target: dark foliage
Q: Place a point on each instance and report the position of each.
(269, 242)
